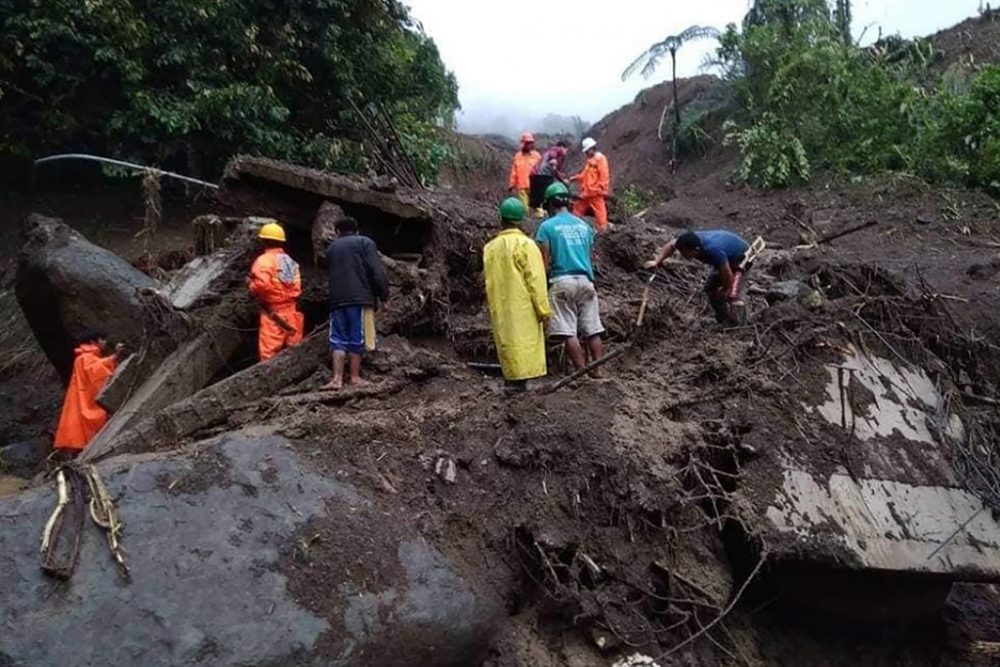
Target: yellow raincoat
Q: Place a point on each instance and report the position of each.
(519, 303)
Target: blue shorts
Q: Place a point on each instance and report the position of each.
(352, 329)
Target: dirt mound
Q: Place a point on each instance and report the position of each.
(973, 43)
(630, 135)
(475, 167)
(680, 508)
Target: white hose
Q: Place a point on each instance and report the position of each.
(120, 163)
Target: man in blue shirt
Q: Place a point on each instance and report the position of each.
(566, 242)
(724, 252)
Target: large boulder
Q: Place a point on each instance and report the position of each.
(228, 568)
(65, 283)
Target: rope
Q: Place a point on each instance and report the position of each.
(102, 513)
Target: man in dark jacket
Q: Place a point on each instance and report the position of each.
(357, 284)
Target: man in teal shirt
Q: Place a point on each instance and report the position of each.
(567, 242)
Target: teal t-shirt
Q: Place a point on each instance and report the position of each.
(570, 240)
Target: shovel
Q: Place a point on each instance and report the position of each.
(645, 300)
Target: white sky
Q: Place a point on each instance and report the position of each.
(522, 59)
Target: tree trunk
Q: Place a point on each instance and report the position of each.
(677, 104)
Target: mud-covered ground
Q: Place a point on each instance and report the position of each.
(610, 517)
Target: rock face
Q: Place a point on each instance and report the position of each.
(66, 283)
(212, 538)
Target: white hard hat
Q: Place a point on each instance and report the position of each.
(588, 143)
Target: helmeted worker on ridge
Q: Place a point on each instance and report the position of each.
(724, 252)
(521, 167)
(81, 417)
(567, 244)
(517, 297)
(595, 185)
(276, 283)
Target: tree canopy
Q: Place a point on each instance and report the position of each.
(188, 84)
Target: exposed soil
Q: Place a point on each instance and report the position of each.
(624, 514)
(973, 43)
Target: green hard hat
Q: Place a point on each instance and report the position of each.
(556, 190)
(512, 209)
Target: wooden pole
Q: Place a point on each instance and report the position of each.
(548, 389)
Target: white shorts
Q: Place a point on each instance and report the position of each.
(574, 307)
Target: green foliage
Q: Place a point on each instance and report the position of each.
(809, 99)
(772, 156)
(192, 83)
(649, 60)
(635, 199)
(700, 119)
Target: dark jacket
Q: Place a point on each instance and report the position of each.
(357, 277)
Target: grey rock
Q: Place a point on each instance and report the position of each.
(65, 283)
(207, 535)
(24, 457)
(793, 290)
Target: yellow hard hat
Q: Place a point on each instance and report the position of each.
(272, 231)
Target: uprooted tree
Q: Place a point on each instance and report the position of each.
(187, 85)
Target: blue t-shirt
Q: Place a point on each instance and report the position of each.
(721, 247)
(570, 240)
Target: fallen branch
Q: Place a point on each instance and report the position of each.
(980, 399)
(548, 389)
(333, 396)
(845, 232)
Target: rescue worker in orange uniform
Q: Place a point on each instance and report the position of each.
(595, 185)
(81, 416)
(520, 170)
(275, 282)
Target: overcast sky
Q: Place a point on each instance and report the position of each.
(522, 59)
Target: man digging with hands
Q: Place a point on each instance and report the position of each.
(725, 252)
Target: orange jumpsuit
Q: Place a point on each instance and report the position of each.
(81, 416)
(520, 173)
(595, 185)
(276, 283)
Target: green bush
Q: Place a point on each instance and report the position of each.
(634, 199)
(809, 100)
(772, 156)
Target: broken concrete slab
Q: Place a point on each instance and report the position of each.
(65, 283)
(141, 430)
(901, 400)
(889, 526)
(188, 368)
(326, 185)
(213, 537)
(211, 276)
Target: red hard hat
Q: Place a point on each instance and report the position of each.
(527, 138)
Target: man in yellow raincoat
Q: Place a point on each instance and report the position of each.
(518, 298)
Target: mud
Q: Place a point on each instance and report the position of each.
(618, 516)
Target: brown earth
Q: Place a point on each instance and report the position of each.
(614, 504)
(973, 43)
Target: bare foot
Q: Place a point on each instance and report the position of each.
(332, 385)
(359, 382)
